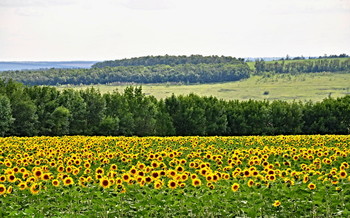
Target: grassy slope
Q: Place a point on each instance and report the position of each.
(313, 87)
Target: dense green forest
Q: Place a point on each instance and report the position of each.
(304, 66)
(42, 110)
(173, 69)
(187, 73)
(169, 60)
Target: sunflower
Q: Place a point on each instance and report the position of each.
(99, 170)
(184, 177)
(158, 185)
(209, 178)
(277, 203)
(60, 168)
(172, 184)
(34, 188)
(68, 181)
(2, 178)
(154, 164)
(126, 177)
(343, 174)
(22, 185)
(87, 171)
(246, 173)
(11, 178)
(118, 181)
(250, 183)
(87, 165)
(155, 174)
(9, 190)
(2, 189)
(55, 182)
(311, 186)
(235, 187)
(272, 177)
(203, 171)
(172, 173)
(196, 182)
(113, 167)
(179, 169)
(104, 182)
(38, 173)
(46, 176)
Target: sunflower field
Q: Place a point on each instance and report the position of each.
(175, 176)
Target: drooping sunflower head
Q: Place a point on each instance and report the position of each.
(35, 188)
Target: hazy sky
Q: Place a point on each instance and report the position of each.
(113, 29)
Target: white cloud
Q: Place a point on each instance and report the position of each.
(146, 4)
(110, 29)
(34, 3)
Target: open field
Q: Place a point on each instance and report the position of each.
(279, 176)
(312, 86)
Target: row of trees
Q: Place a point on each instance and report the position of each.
(304, 66)
(28, 111)
(169, 60)
(187, 73)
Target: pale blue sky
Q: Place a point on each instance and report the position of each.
(113, 29)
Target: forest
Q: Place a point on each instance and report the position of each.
(174, 69)
(42, 110)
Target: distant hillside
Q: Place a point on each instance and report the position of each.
(32, 65)
(170, 69)
(169, 60)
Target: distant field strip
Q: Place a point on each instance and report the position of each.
(315, 87)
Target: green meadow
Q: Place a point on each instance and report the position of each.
(304, 87)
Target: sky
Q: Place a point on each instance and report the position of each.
(67, 30)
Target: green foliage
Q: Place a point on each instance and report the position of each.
(182, 73)
(60, 117)
(47, 111)
(168, 60)
(303, 66)
(5, 115)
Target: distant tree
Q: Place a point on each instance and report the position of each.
(6, 118)
(95, 109)
(60, 118)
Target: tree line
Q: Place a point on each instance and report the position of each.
(181, 73)
(304, 66)
(173, 69)
(43, 110)
(169, 60)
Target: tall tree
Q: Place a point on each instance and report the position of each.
(5, 115)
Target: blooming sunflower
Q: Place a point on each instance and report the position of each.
(235, 187)
(55, 182)
(196, 182)
(2, 189)
(68, 181)
(172, 184)
(277, 203)
(311, 186)
(104, 182)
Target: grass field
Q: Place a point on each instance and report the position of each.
(304, 87)
(255, 176)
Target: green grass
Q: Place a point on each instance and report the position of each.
(304, 87)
